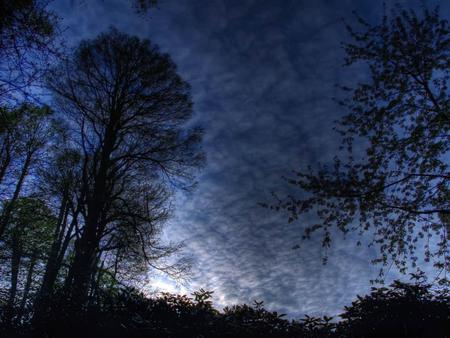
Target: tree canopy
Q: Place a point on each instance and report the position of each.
(397, 188)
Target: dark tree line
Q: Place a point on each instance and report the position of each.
(409, 310)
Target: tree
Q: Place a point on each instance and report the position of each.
(25, 134)
(398, 188)
(28, 32)
(59, 183)
(26, 245)
(133, 242)
(402, 310)
(128, 108)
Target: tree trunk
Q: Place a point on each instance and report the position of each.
(16, 258)
(82, 270)
(27, 287)
(4, 218)
(54, 263)
(86, 247)
(5, 162)
(50, 267)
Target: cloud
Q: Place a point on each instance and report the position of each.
(263, 76)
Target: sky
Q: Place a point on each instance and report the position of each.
(263, 76)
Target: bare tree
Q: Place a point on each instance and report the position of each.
(28, 32)
(128, 108)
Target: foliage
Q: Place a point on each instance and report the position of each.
(25, 246)
(401, 310)
(397, 190)
(32, 221)
(24, 137)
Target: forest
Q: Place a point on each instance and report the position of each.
(96, 141)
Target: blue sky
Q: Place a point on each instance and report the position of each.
(263, 76)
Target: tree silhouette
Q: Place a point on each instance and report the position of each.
(26, 244)
(59, 182)
(403, 310)
(28, 32)
(129, 107)
(24, 137)
(398, 188)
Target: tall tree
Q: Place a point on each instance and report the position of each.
(129, 108)
(59, 183)
(398, 189)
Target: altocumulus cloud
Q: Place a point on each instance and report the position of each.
(263, 76)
